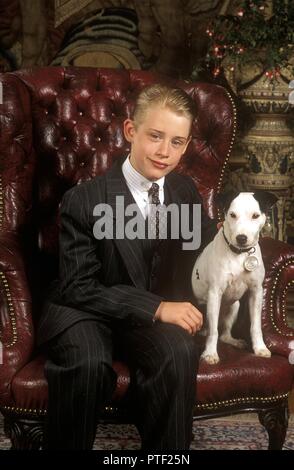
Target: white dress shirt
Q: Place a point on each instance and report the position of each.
(139, 186)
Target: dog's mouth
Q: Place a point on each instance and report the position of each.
(243, 245)
(243, 241)
(240, 242)
(246, 245)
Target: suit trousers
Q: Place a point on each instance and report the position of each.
(163, 359)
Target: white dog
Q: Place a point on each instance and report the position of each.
(230, 265)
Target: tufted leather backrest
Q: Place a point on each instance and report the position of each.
(61, 126)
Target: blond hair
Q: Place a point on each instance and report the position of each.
(175, 99)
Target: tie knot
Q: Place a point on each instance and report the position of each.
(153, 190)
(154, 193)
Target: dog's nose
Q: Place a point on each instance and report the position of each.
(241, 239)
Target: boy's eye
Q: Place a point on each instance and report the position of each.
(154, 136)
(177, 143)
(255, 215)
(233, 215)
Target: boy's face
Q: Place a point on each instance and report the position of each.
(158, 142)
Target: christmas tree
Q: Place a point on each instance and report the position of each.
(259, 32)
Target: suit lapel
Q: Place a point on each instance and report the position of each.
(173, 194)
(175, 191)
(130, 250)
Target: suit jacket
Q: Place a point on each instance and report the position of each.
(108, 279)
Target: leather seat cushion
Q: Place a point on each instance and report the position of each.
(239, 374)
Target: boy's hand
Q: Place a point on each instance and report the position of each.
(183, 314)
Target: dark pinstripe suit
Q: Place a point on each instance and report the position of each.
(107, 296)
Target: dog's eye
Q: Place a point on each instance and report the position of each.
(233, 215)
(255, 216)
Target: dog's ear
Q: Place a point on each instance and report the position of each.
(223, 200)
(265, 199)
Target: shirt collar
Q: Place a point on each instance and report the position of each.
(137, 181)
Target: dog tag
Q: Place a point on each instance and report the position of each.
(250, 263)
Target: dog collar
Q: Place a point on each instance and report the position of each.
(236, 250)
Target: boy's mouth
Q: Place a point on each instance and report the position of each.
(159, 165)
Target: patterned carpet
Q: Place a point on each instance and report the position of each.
(242, 432)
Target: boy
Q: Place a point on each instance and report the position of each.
(113, 291)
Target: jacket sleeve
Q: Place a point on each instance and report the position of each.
(80, 269)
(185, 259)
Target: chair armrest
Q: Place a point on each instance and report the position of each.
(16, 176)
(15, 312)
(278, 259)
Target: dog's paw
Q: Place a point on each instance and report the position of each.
(237, 343)
(263, 352)
(210, 358)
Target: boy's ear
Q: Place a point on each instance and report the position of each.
(129, 129)
(223, 200)
(265, 199)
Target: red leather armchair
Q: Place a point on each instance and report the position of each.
(61, 126)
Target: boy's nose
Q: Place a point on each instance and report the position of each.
(164, 148)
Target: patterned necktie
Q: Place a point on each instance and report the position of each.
(154, 217)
